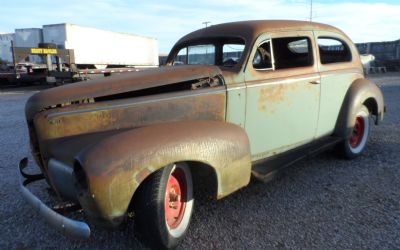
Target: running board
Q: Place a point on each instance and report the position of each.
(266, 170)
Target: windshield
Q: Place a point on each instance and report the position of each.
(219, 53)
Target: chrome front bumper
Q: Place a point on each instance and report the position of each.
(66, 225)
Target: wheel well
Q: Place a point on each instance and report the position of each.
(372, 106)
(205, 183)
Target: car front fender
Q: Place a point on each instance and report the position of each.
(116, 166)
(361, 92)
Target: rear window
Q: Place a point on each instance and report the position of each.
(196, 54)
(332, 50)
(223, 51)
(201, 54)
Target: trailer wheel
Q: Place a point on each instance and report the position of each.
(4, 81)
(164, 206)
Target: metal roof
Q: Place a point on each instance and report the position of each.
(248, 30)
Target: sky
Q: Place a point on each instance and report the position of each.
(363, 21)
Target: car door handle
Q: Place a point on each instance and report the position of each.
(316, 82)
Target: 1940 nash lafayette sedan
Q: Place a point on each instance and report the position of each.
(235, 100)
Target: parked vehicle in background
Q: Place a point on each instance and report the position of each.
(22, 74)
(245, 98)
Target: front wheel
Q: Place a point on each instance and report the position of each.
(164, 206)
(354, 146)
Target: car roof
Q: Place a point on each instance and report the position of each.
(249, 30)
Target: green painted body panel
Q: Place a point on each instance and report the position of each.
(334, 87)
(236, 104)
(290, 107)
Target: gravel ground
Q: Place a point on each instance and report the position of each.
(320, 203)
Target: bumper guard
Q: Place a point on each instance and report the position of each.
(66, 225)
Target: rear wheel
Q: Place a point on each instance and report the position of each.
(354, 146)
(164, 206)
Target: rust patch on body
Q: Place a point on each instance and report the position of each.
(274, 95)
(128, 82)
(129, 114)
(270, 95)
(142, 175)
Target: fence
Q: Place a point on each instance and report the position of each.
(387, 54)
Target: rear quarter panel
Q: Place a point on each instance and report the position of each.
(336, 78)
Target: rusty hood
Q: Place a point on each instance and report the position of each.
(117, 84)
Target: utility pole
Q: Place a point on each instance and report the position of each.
(13, 53)
(311, 10)
(206, 23)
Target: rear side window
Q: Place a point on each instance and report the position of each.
(231, 53)
(292, 52)
(332, 50)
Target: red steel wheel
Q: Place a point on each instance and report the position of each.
(178, 200)
(358, 132)
(163, 206)
(175, 198)
(355, 144)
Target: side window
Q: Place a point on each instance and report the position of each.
(292, 52)
(263, 59)
(231, 53)
(332, 50)
(181, 57)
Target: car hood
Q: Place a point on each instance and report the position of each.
(107, 86)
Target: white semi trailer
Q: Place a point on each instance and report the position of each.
(101, 48)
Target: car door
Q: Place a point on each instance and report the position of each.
(282, 93)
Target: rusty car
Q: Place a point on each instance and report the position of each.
(233, 101)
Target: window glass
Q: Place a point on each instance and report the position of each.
(291, 52)
(332, 50)
(201, 54)
(221, 51)
(181, 57)
(231, 53)
(262, 59)
(299, 46)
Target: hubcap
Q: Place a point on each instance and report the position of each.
(358, 132)
(175, 198)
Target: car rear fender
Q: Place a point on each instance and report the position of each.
(361, 92)
(116, 166)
